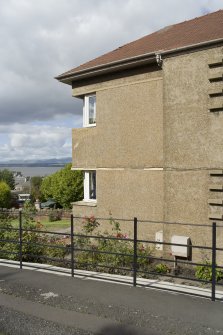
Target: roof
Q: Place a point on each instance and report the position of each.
(188, 33)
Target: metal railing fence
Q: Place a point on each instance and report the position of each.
(73, 249)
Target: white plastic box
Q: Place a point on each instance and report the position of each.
(159, 238)
(180, 251)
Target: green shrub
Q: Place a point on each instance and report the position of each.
(204, 272)
(101, 254)
(5, 195)
(55, 215)
(60, 252)
(162, 268)
(31, 240)
(36, 246)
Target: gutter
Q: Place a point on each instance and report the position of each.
(109, 67)
(130, 62)
(193, 46)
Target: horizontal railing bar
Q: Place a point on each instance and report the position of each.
(9, 252)
(220, 284)
(175, 244)
(218, 267)
(172, 276)
(9, 228)
(114, 280)
(175, 223)
(104, 266)
(97, 276)
(45, 245)
(9, 241)
(36, 231)
(105, 219)
(104, 237)
(148, 221)
(104, 252)
(45, 232)
(54, 259)
(219, 249)
(174, 261)
(131, 240)
(67, 216)
(32, 215)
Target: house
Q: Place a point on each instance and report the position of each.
(151, 145)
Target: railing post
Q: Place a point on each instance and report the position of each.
(72, 243)
(213, 261)
(135, 253)
(20, 238)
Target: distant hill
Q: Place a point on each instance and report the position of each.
(43, 162)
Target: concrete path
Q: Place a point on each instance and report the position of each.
(39, 303)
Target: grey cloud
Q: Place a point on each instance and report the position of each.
(36, 142)
(44, 38)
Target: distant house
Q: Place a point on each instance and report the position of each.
(22, 183)
(151, 145)
(23, 186)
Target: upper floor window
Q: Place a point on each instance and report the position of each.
(89, 110)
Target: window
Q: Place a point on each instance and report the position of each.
(90, 185)
(89, 111)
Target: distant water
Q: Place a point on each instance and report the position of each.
(30, 171)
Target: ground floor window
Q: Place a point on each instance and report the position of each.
(90, 185)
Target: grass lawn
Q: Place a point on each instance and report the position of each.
(54, 226)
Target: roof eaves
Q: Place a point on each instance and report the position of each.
(130, 62)
(101, 67)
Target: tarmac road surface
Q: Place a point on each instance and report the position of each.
(39, 303)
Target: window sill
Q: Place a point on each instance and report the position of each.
(89, 125)
(85, 203)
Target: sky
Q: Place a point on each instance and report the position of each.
(42, 39)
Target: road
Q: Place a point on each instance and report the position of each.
(39, 303)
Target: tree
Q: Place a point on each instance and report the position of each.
(64, 186)
(36, 182)
(5, 195)
(8, 178)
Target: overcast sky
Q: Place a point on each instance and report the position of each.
(43, 38)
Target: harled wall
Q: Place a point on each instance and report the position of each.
(193, 143)
(157, 146)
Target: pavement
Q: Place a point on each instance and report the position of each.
(33, 302)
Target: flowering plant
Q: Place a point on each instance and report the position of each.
(90, 223)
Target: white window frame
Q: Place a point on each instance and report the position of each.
(87, 186)
(86, 111)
